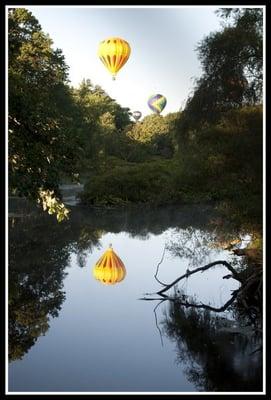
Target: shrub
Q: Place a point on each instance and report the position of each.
(151, 182)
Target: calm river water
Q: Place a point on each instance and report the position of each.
(69, 332)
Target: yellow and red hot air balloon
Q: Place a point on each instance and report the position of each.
(109, 269)
(114, 53)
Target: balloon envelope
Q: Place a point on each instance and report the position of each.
(157, 103)
(114, 53)
(137, 115)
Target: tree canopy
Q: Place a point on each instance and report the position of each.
(41, 136)
(232, 62)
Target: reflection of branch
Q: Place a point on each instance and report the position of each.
(204, 306)
(225, 263)
(157, 269)
(159, 330)
(256, 351)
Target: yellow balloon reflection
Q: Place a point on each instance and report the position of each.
(109, 269)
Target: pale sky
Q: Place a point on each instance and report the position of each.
(163, 41)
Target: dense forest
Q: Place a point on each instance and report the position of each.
(211, 151)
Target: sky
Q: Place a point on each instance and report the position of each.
(163, 59)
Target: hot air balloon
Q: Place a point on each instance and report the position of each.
(109, 269)
(137, 115)
(157, 103)
(114, 53)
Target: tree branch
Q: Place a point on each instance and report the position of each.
(235, 275)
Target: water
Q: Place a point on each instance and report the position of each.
(70, 193)
(68, 332)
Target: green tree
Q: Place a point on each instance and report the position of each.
(232, 65)
(104, 122)
(152, 125)
(42, 137)
(157, 132)
(219, 132)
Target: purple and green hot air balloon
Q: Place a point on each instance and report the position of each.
(157, 103)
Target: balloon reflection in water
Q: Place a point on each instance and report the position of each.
(109, 269)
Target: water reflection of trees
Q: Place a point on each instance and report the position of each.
(40, 248)
(197, 245)
(39, 252)
(192, 244)
(217, 355)
(141, 222)
(221, 347)
(36, 273)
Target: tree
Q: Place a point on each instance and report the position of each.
(232, 65)
(104, 122)
(157, 132)
(42, 138)
(249, 21)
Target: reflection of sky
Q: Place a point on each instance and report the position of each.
(163, 41)
(105, 339)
